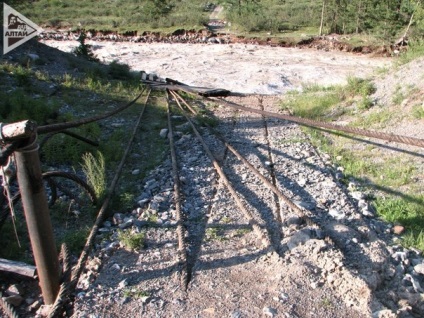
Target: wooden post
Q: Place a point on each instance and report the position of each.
(35, 205)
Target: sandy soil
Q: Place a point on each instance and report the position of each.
(237, 67)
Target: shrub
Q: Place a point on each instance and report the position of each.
(132, 241)
(119, 71)
(84, 50)
(95, 172)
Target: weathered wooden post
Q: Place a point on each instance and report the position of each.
(35, 205)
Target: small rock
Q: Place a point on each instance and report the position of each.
(163, 133)
(14, 300)
(116, 267)
(135, 172)
(44, 310)
(118, 218)
(35, 305)
(126, 224)
(398, 229)
(302, 182)
(268, 163)
(14, 289)
(385, 313)
(33, 56)
(419, 269)
(338, 215)
(298, 238)
(366, 212)
(269, 311)
(123, 283)
(236, 314)
(415, 284)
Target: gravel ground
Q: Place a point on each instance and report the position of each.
(341, 267)
(346, 265)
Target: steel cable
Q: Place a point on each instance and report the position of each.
(315, 123)
(62, 126)
(182, 253)
(263, 237)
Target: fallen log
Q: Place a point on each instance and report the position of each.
(17, 268)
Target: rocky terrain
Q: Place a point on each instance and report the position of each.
(347, 263)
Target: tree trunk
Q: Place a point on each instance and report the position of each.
(322, 17)
(358, 16)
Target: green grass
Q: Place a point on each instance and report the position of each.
(314, 105)
(136, 293)
(408, 212)
(215, 233)
(389, 177)
(96, 90)
(329, 102)
(95, 172)
(132, 241)
(378, 118)
(418, 111)
(120, 15)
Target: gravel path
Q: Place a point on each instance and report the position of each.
(340, 267)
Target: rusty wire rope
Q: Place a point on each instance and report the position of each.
(102, 212)
(301, 213)
(262, 234)
(315, 123)
(62, 126)
(8, 308)
(182, 253)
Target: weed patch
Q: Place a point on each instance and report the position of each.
(132, 241)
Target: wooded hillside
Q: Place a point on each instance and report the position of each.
(386, 20)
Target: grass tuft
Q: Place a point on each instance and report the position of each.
(95, 172)
(132, 241)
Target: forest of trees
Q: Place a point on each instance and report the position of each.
(383, 19)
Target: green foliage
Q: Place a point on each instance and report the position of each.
(95, 172)
(63, 149)
(415, 50)
(418, 111)
(15, 105)
(84, 50)
(409, 212)
(132, 241)
(75, 240)
(384, 19)
(136, 293)
(215, 233)
(119, 71)
(315, 105)
(359, 86)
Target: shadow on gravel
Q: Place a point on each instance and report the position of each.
(229, 261)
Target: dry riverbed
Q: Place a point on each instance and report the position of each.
(240, 68)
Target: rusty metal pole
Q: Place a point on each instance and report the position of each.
(38, 221)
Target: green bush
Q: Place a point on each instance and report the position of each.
(63, 149)
(119, 71)
(16, 106)
(84, 50)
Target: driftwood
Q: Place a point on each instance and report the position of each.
(17, 268)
